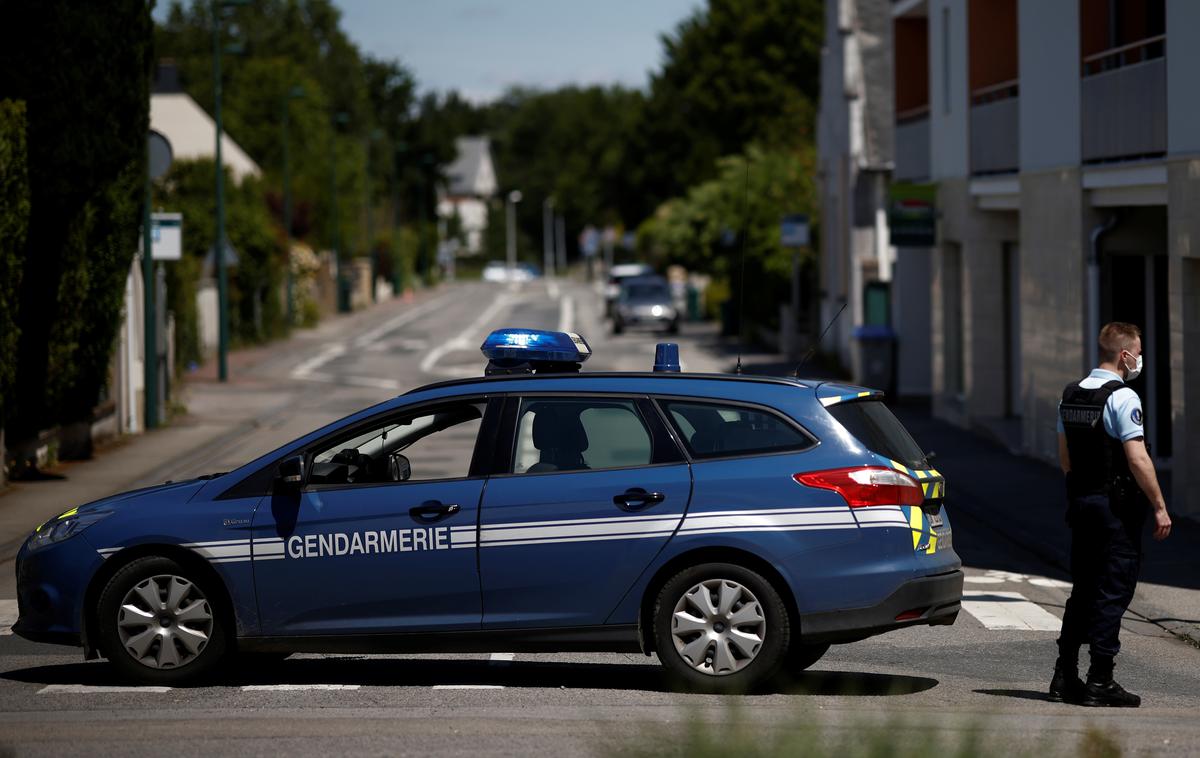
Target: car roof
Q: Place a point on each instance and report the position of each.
(643, 381)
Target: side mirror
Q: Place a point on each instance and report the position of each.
(290, 474)
(399, 469)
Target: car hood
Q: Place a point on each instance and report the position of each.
(181, 492)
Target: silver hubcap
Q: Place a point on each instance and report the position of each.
(718, 627)
(164, 622)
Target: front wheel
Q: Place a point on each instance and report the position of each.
(720, 627)
(158, 623)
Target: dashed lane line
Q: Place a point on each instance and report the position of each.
(1008, 611)
(464, 340)
(468, 686)
(501, 657)
(296, 687)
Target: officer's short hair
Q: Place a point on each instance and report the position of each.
(1115, 337)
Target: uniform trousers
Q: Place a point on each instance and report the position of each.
(1106, 555)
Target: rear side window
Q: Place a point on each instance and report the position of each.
(874, 426)
(713, 430)
(579, 435)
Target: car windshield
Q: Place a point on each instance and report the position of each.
(646, 291)
(874, 426)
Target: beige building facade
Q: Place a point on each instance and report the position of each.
(1061, 142)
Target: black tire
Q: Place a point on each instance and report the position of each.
(195, 665)
(759, 668)
(673, 328)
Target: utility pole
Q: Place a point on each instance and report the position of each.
(149, 312)
(219, 237)
(343, 294)
(292, 94)
(510, 226)
(561, 238)
(548, 236)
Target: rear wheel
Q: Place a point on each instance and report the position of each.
(158, 622)
(720, 627)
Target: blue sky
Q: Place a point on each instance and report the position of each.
(480, 47)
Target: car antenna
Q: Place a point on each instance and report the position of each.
(742, 277)
(813, 349)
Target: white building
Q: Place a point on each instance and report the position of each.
(470, 185)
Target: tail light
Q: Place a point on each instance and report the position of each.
(864, 486)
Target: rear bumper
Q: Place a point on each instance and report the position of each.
(929, 600)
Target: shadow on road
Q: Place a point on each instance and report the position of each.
(1019, 694)
(379, 672)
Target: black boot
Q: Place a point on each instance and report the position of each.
(1066, 686)
(1102, 691)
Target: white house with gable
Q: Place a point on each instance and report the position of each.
(470, 184)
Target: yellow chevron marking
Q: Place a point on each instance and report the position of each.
(863, 394)
(921, 474)
(925, 488)
(932, 545)
(71, 512)
(916, 518)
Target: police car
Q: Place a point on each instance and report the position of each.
(733, 525)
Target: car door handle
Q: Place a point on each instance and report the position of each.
(432, 510)
(636, 497)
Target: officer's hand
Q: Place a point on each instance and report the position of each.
(1162, 524)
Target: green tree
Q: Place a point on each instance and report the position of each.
(14, 219)
(88, 114)
(735, 72)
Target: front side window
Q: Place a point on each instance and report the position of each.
(435, 443)
(556, 434)
(714, 430)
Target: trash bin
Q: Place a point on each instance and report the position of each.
(876, 358)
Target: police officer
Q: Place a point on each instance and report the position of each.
(1111, 488)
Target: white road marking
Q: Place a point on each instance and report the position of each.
(502, 657)
(983, 580)
(552, 288)
(296, 687)
(468, 686)
(307, 370)
(1008, 610)
(8, 616)
(89, 689)
(566, 314)
(1058, 584)
(464, 339)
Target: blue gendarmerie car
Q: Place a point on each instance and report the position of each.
(733, 525)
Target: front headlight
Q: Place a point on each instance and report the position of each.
(63, 527)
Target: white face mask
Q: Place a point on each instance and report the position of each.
(1135, 372)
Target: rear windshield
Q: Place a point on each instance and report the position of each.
(873, 425)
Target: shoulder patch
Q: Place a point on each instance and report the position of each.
(1136, 416)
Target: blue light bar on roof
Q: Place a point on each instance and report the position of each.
(535, 346)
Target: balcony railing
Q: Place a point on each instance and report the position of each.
(1124, 112)
(995, 132)
(1125, 55)
(912, 145)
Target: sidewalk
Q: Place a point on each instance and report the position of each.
(217, 415)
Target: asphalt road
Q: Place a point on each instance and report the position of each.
(943, 683)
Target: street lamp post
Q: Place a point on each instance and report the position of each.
(219, 239)
(292, 94)
(548, 236)
(560, 236)
(372, 136)
(510, 226)
(343, 295)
